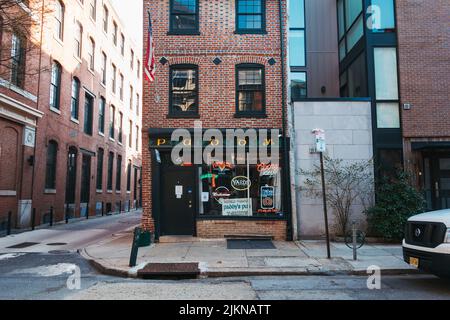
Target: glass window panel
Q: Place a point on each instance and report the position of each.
(297, 54)
(298, 85)
(387, 14)
(183, 22)
(249, 6)
(184, 6)
(352, 10)
(388, 116)
(297, 14)
(341, 18)
(357, 79)
(342, 52)
(250, 22)
(355, 33)
(250, 77)
(386, 81)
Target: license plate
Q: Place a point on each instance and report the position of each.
(414, 262)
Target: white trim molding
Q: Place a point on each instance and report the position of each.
(18, 111)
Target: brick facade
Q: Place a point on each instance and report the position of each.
(58, 125)
(217, 93)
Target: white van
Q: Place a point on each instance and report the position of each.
(427, 242)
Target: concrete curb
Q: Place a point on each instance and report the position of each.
(115, 272)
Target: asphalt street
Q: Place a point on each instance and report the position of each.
(57, 271)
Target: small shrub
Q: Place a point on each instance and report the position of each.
(397, 200)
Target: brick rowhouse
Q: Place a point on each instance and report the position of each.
(86, 106)
(201, 45)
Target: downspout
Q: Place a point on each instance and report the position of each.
(38, 99)
(285, 140)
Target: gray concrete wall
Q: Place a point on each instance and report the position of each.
(348, 130)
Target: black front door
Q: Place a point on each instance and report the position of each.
(71, 175)
(85, 178)
(178, 201)
(437, 180)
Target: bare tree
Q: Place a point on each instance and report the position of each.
(20, 32)
(347, 183)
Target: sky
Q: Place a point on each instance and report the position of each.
(130, 12)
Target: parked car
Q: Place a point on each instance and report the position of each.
(427, 242)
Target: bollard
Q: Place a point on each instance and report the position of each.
(51, 216)
(33, 219)
(120, 206)
(67, 213)
(87, 211)
(103, 208)
(8, 230)
(355, 257)
(135, 247)
(129, 205)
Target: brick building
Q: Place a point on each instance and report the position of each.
(81, 151)
(221, 63)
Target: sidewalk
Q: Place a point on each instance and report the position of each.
(111, 256)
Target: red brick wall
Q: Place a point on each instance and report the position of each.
(216, 83)
(424, 51)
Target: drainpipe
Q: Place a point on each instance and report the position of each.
(286, 167)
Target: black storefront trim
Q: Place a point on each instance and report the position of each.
(240, 218)
(430, 145)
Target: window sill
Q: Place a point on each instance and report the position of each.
(109, 191)
(50, 191)
(91, 71)
(55, 110)
(103, 85)
(59, 41)
(183, 116)
(262, 32)
(128, 192)
(112, 139)
(74, 120)
(118, 192)
(120, 143)
(251, 115)
(78, 59)
(101, 134)
(99, 191)
(183, 33)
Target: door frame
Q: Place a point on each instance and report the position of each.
(434, 156)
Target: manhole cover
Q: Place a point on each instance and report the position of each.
(23, 245)
(56, 244)
(250, 244)
(59, 252)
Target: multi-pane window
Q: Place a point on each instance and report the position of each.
(130, 134)
(112, 121)
(104, 66)
(138, 69)
(250, 89)
(93, 9)
(122, 82)
(100, 156)
(109, 183)
(50, 172)
(17, 61)
(115, 33)
(59, 20)
(297, 52)
(138, 99)
(91, 54)
(78, 39)
(55, 85)
(351, 25)
(105, 19)
(137, 139)
(386, 87)
(122, 44)
(183, 90)
(129, 176)
(119, 173)
(131, 97)
(131, 59)
(75, 101)
(101, 115)
(88, 113)
(250, 16)
(184, 16)
(114, 78)
(120, 127)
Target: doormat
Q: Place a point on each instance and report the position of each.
(259, 244)
(169, 271)
(23, 245)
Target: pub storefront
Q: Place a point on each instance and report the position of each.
(239, 196)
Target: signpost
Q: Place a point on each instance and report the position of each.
(321, 148)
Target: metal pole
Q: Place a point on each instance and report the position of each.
(325, 212)
(33, 219)
(51, 216)
(355, 257)
(129, 205)
(8, 230)
(103, 208)
(120, 206)
(67, 213)
(87, 210)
